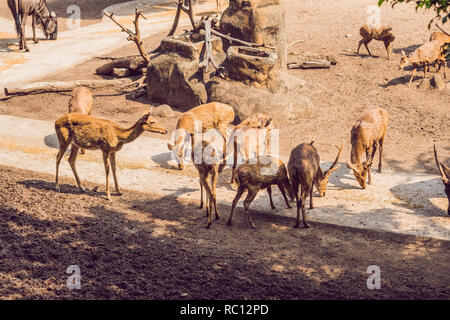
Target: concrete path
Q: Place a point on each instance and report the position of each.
(397, 202)
(77, 45)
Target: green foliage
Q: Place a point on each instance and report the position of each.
(442, 7)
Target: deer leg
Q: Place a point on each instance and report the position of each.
(34, 29)
(359, 46)
(387, 45)
(301, 205)
(311, 198)
(63, 145)
(112, 159)
(201, 194)
(207, 186)
(239, 194)
(445, 68)
(214, 178)
(235, 157)
(380, 161)
(72, 160)
(367, 48)
(283, 192)
(223, 133)
(106, 163)
(269, 191)
(23, 41)
(248, 200)
(412, 76)
(425, 70)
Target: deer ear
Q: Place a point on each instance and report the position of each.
(170, 146)
(403, 54)
(351, 166)
(268, 122)
(53, 14)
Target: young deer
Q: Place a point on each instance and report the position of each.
(242, 134)
(429, 53)
(304, 170)
(445, 176)
(211, 116)
(83, 131)
(367, 135)
(208, 171)
(262, 175)
(383, 33)
(81, 102)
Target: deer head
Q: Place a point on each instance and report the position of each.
(322, 181)
(445, 175)
(151, 124)
(181, 137)
(404, 61)
(360, 171)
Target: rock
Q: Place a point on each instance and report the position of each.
(437, 82)
(425, 84)
(247, 100)
(257, 21)
(163, 111)
(284, 82)
(121, 72)
(172, 79)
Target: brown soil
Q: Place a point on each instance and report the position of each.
(142, 246)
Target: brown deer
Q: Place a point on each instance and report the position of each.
(213, 115)
(429, 53)
(383, 33)
(304, 170)
(442, 37)
(367, 135)
(240, 138)
(81, 102)
(266, 172)
(445, 176)
(207, 165)
(83, 131)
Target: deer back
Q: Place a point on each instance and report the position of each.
(304, 163)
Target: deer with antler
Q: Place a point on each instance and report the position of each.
(84, 131)
(304, 171)
(367, 135)
(445, 176)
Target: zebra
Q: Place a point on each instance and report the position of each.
(41, 16)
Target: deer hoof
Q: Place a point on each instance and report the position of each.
(57, 189)
(252, 226)
(36, 41)
(307, 225)
(119, 194)
(297, 225)
(27, 49)
(208, 225)
(229, 223)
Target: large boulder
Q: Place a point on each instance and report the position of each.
(257, 21)
(248, 100)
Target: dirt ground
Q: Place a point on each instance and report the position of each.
(123, 247)
(146, 247)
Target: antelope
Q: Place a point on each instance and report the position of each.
(81, 102)
(367, 135)
(208, 171)
(445, 176)
(21, 9)
(213, 115)
(429, 53)
(383, 33)
(83, 131)
(305, 171)
(266, 172)
(240, 138)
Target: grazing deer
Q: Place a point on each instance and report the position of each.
(445, 176)
(266, 172)
(83, 131)
(367, 135)
(429, 53)
(242, 134)
(213, 115)
(81, 102)
(304, 170)
(208, 171)
(383, 33)
(21, 9)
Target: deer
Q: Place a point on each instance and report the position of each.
(212, 115)
(267, 171)
(384, 33)
(207, 165)
(445, 176)
(431, 52)
(81, 102)
(367, 134)
(84, 131)
(46, 19)
(242, 133)
(442, 37)
(305, 172)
